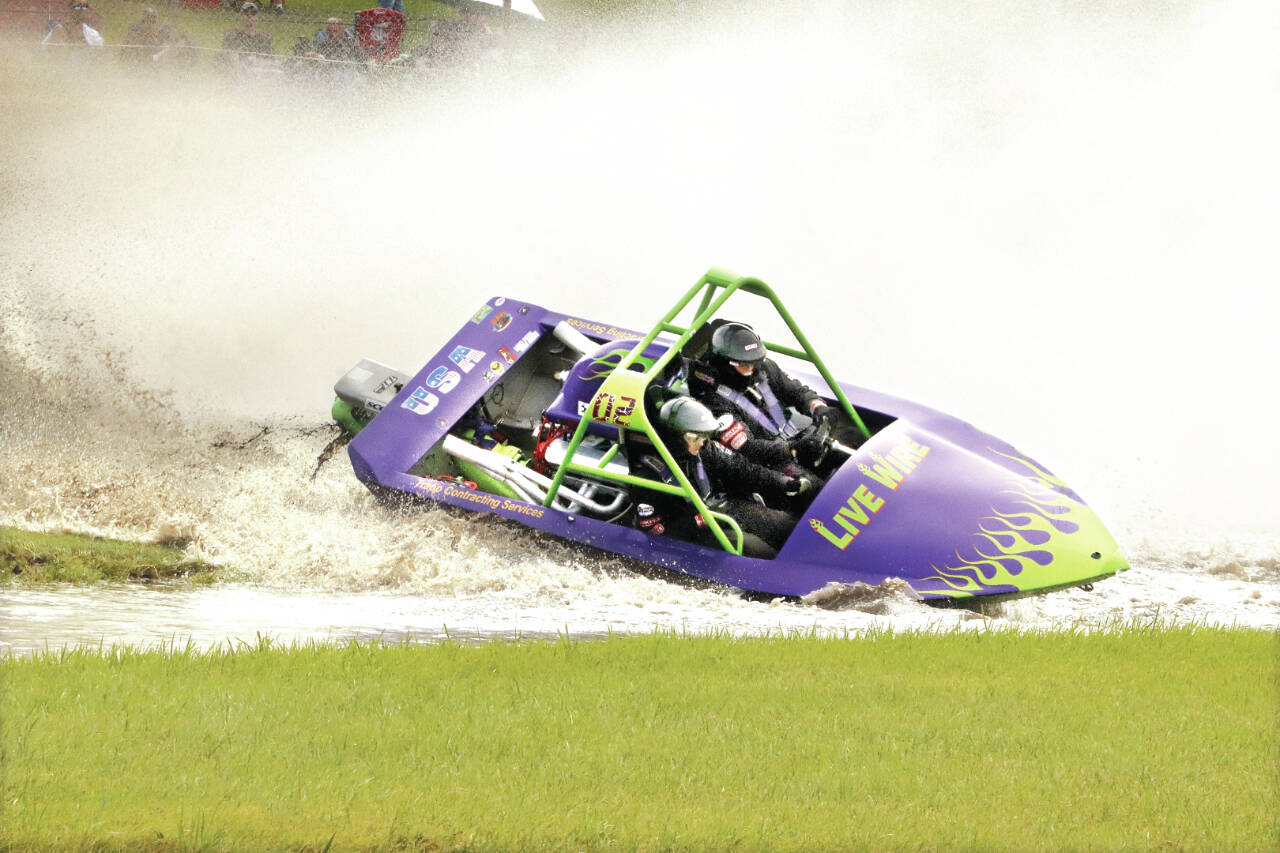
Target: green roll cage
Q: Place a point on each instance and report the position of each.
(620, 400)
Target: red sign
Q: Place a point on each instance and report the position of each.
(379, 31)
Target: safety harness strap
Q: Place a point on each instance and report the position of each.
(772, 420)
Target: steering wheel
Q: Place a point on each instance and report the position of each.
(816, 434)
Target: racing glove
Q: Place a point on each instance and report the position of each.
(809, 451)
(798, 486)
(824, 415)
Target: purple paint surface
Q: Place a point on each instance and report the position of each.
(929, 498)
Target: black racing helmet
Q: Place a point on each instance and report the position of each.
(737, 342)
(685, 414)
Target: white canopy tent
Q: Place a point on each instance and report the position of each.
(524, 7)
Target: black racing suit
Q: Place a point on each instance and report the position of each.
(726, 481)
(760, 403)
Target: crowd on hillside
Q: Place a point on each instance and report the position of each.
(371, 40)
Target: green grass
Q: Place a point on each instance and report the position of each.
(29, 558)
(1135, 739)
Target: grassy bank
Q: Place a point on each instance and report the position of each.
(303, 18)
(1138, 739)
(206, 27)
(30, 558)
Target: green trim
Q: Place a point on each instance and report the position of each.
(345, 415)
(483, 479)
(608, 456)
(624, 384)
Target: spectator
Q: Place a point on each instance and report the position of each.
(394, 5)
(338, 42)
(75, 30)
(145, 40)
(333, 31)
(465, 43)
(238, 5)
(333, 53)
(245, 47)
(179, 50)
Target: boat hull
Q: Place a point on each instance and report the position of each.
(929, 499)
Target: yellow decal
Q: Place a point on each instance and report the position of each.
(482, 498)
(522, 508)
(601, 329)
(885, 475)
(435, 488)
(864, 496)
(840, 542)
(890, 471)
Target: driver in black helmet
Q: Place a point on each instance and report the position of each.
(722, 479)
(744, 382)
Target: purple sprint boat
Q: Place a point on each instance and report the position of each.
(540, 417)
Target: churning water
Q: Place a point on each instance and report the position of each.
(1053, 222)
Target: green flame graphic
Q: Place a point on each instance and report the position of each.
(1043, 477)
(606, 364)
(1035, 538)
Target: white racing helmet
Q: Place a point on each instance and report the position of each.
(685, 414)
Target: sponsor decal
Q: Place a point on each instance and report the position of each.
(648, 520)
(611, 409)
(601, 329)
(421, 401)
(443, 379)
(479, 316)
(499, 301)
(462, 491)
(494, 371)
(507, 355)
(527, 341)
(501, 321)
(705, 378)
(895, 466)
(522, 508)
(735, 436)
(859, 504)
(889, 472)
(466, 357)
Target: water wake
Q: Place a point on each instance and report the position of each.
(1000, 226)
